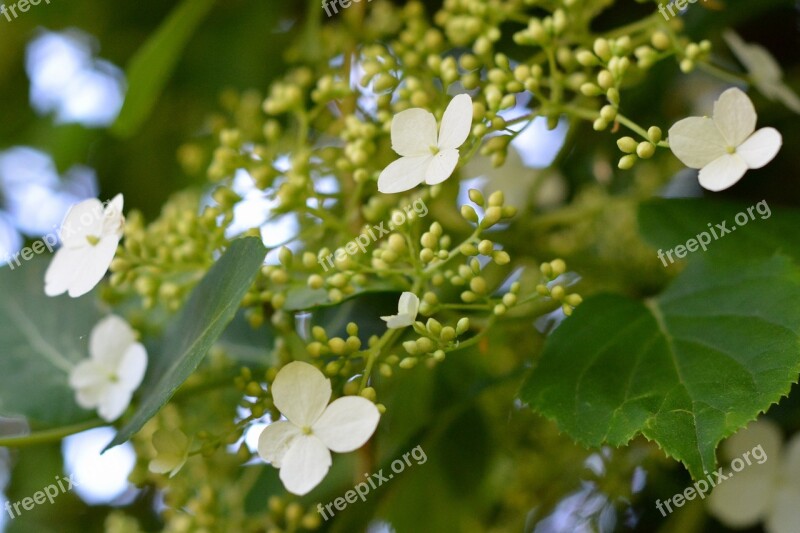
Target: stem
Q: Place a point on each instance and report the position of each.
(49, 435)
(723, 74)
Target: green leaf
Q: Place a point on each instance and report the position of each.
(42, 338)
(686, 369)
(149, 70)
(766, 230)
(210, 308)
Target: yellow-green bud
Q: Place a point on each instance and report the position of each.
(496, 199)
(468, 249)
(424, 345)
(447, 334)
(285, 256)
(433, 326)
(478, 285)
(627, 144)
(558, 267)
(410, 347)
(408, 363)
(462, 326)
(586, 58)
(369, 393)
(627, 162)
(485, 247)
(501, 257)
(645, 150)
(337, 346)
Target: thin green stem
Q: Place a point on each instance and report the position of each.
(49, 435)
(723, 74)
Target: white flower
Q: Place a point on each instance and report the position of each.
(301, 447)
(768, 489)
(724, 147)
(90, 235)
(115, 369)
(407, 309)
(427, 156)
(172, 448)
(765, 72)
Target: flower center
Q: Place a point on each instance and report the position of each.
(93, 240)
(434, 150)
(730, 149)
(306, 430)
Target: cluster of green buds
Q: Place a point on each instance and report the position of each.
(434, 341)
(161, 262)
(286, 515)
(557, 291)
(638, 150)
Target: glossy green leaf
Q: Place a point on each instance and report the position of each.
(210, 308)
(41, 339)
(686, 369)
(149, 70)
(761, 229)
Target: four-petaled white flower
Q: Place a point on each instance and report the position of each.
(767, 489)
(765, 72)
(89, 235)
(426, 156)
(407, 309)
(115, 369)
(301, 446)
(724, 147)
(172, 449)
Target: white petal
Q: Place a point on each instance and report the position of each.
(91, 397)
(114, 221)
(62, 271)
(110, 339)
(742, 500)
(132, 367)
(347, 423)
(95, 265)
(301, 393)
(87, 373)
(784, 516)
(788, 97)
(82, 220)
(441, 167)
(761, 147)
(413, 132)
(305, 464)
(696, 141)
(274, 441)
(456, 122)
(735, 116)
(408, 304)
(722, 173)
(79, 270)
(763, 432)
(404, 174)
(114, 402)
(757, 59)
(398, 321)
(790, 469)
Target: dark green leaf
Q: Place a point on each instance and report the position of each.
(686, 369)
(210, 308)
(766, 231)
